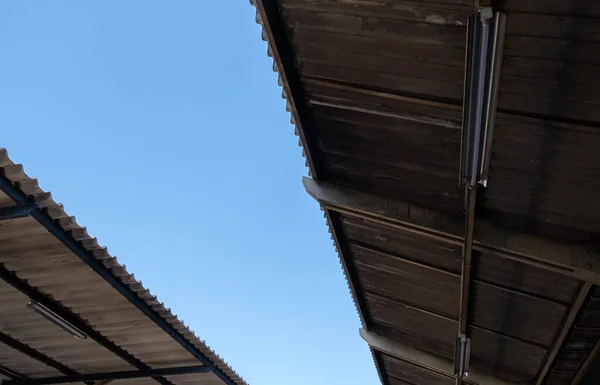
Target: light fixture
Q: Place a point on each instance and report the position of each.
(485, 42)
(462, 353)
(56, 319)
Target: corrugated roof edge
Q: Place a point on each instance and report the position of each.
(297, 131)
(29, 186)
(282, 82)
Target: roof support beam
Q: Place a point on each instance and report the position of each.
(114, 375)
(448, 105)
(17, 211)
(564, 330)
(30, 352)
(12, 279)
(11, 190)
(572, 260)
(423, 359)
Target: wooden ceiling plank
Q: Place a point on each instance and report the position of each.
(573, 260)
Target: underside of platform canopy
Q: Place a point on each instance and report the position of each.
(70, 313)
(376, 91)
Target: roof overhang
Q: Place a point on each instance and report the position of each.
(57, 283)
(375, 91)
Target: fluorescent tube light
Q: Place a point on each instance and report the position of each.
(485, 42)
(56, 319)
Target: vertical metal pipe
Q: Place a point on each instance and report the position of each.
(467, 252)
(465, 276)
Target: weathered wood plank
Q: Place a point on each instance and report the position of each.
(348, 97)
(555, 7)
(574, 260)
(549, 108)
(407, 165)
(554, 49)
(407, 107)
(407, 10)
(391, 141)
(557, 90)
(377, 46)
(413, 285)
(525, 278)
(549, 213)
(384, 65)
(546, 69)
(542, 24)
(416, 33)
(512, 359)
(367, 234)
(424, 87)
(514, 73)
(370, 126)
(395, 175)
(514, 315)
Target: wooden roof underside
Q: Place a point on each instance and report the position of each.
(375, 90)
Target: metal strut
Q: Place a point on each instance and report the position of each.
(463, 343)
(485, 40)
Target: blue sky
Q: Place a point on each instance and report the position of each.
(162, 129)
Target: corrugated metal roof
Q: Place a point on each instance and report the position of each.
(417, 49)
(417, 296)
(37, 257)
(374, 88)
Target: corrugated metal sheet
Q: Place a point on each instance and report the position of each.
(36, 256)
(21, 363)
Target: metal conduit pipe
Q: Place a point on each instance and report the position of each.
(485, 40)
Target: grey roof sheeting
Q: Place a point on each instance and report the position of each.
(40, 260)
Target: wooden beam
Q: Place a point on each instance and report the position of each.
(572, 260)
(564, 330)
(413, 118)
(511, 115)
(409, 99)
(425, 360)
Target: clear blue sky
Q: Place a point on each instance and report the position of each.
(161, 127)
